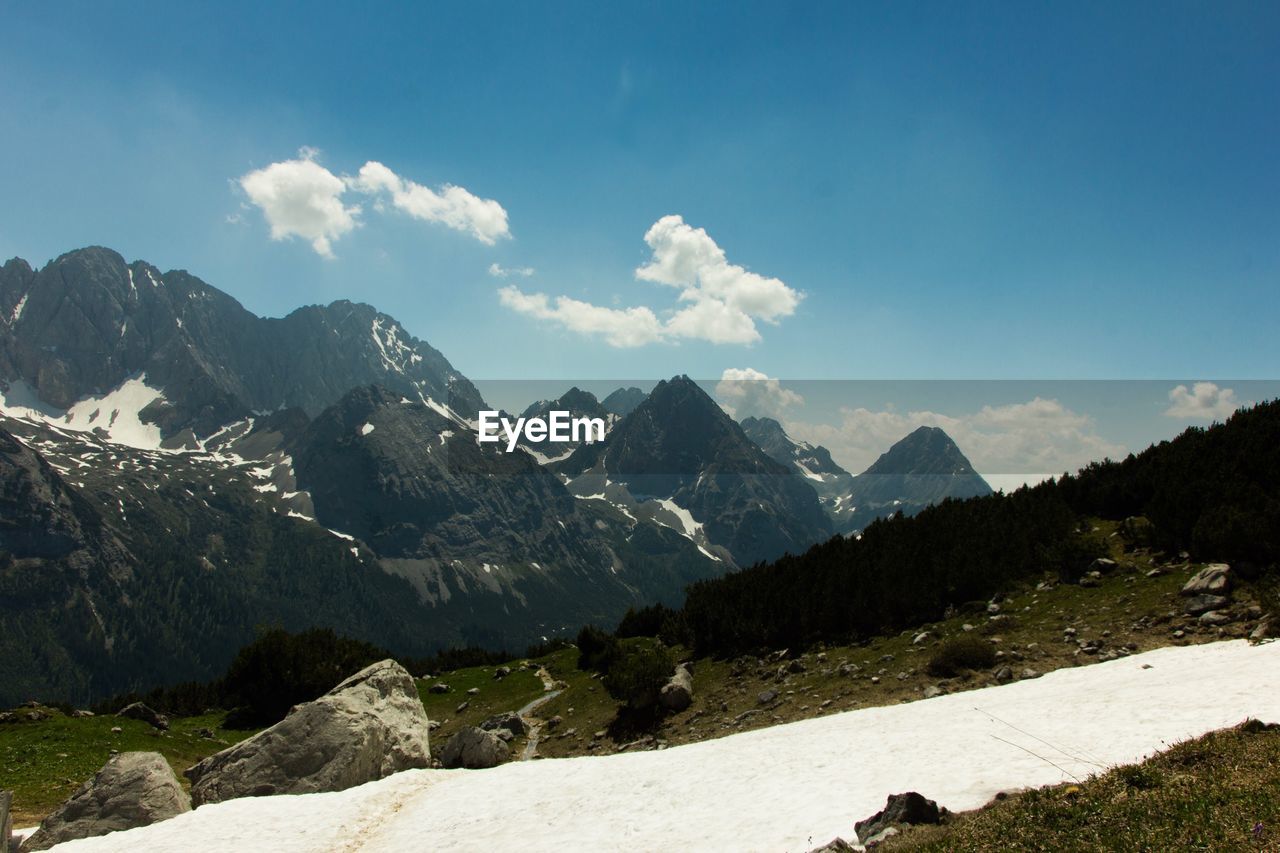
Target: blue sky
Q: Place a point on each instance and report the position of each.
(994, 191)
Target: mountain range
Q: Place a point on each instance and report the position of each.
(176, 472)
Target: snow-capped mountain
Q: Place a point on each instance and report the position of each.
(178, 471)
(89, 325)
(679, 450)
(923, 468)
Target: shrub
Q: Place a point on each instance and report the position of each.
(638, 673)
(596, 649)
(957, 654)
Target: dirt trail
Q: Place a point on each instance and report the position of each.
(535, 724)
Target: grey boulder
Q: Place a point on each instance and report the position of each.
(474, 749)
(368, 727)
(132, 789)
(139, 711)
(677, 694)
(1213, 579)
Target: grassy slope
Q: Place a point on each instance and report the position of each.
(44, 761)
(1216, 792)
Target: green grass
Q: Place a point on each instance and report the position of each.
(44, 761)
(496, 696)
(1216, 792)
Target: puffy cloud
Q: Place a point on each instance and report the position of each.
(452, 206)
(744, 392)
(498, 271)
(1202, 401)
(724, 300)
(688, 258)
(1008, 444)
(301, 198)
(621, 327)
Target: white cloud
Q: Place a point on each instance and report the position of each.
(744, 392)
(620, 327)
(1202, 401)
(452, 206)
(724, 300)
(498, 271)
(301, 198)
(1014, 443)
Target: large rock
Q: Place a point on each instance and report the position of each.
(139, 711)
(1213, 579)
(474, 749)
(132, 789)
(368, 727)
(677, 694)
(898, 809)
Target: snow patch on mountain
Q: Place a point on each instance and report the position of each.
(115, 415)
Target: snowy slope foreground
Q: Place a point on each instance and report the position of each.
(786, 788)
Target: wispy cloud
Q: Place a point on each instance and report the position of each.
(722, 301)
(498, 271)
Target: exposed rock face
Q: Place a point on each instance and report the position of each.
(679, 446)
(474, 749)
(677, 694)
(623, 401)
(133, 789)
(366, 728)
(898, 809)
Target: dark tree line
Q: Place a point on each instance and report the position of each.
(1214, 492)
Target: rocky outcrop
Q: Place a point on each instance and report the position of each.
(133, 789)
(474, 749)
(677, 694)
(899, 809)
(368, 727)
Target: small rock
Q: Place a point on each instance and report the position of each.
(1004, 675)
(439, 687)
(1216, 617)
(501, 672)
(766, 697)
(932, 690)
(474, 691)
(462, 707)
(1029, 673)
(921, 638)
